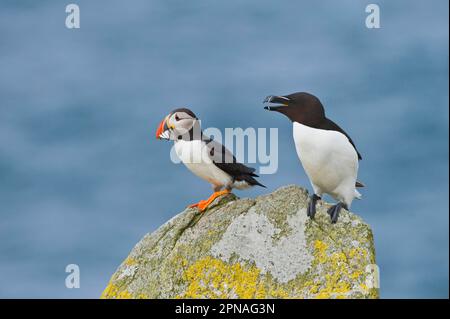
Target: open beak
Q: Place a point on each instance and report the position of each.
(275, 99)
(163, 130)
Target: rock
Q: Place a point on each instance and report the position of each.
(252, 248)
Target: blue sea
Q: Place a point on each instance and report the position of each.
(83, 179)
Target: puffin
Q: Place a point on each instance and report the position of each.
(205, 157)
(327, 153)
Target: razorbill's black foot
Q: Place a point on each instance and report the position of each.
(311, 211)
(333, 211)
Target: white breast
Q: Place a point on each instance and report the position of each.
(194, 154)
(329, 160)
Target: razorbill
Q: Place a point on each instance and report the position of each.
(206, 158)
(327, 153)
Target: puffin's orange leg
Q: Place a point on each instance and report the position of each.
(203, 204)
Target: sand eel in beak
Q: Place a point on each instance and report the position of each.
(205, 157)
(327, 153)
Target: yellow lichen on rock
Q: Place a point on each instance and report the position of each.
(212, 278)
(113, 292)
(340, 272)
(129, 261)
(279, 293)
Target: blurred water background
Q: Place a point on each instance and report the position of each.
(82, 177)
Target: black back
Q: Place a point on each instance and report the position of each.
(306, 109)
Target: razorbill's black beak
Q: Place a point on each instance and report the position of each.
(272, 108)
(275, 99)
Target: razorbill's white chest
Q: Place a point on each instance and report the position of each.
(329, 160)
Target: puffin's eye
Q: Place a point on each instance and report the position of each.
(176, 117)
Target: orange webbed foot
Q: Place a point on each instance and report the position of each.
(203, 204)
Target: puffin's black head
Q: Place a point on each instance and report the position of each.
(176, 124)
(300, 107)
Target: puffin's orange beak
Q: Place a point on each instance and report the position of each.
(160, 129)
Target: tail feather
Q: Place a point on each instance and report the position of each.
(250, 180)
(359, 184)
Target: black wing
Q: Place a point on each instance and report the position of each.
(331, 126)
(226, 161)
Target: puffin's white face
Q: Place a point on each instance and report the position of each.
(176, 124)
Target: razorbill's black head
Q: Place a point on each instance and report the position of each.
(299, 107)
